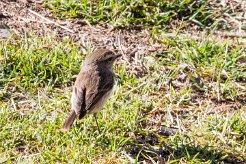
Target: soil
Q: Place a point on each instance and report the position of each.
(23, 16)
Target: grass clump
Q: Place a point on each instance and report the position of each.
(217, 70)
(152, 13)
(33, 62)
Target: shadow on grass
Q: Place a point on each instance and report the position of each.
(153, 148)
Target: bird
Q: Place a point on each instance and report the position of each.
(92, 86)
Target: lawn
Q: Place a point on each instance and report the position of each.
(183, 102)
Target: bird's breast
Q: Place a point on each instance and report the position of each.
(99, 105)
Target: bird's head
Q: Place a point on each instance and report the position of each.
(103, 58)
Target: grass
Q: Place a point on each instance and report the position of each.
(123, 13)
(48, 66)
(198, 87)
(193, 88)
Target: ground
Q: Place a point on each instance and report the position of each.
(180, 85)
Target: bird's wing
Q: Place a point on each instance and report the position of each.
(96, 92)
(88, 90)
(79, 96)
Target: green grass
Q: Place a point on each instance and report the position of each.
(36, 61)
(196, 86)
(123, 13)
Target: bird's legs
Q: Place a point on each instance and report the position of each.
(95, 116)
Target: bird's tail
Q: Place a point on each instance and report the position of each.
(69, 121)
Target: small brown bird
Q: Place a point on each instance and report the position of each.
(93, 85)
